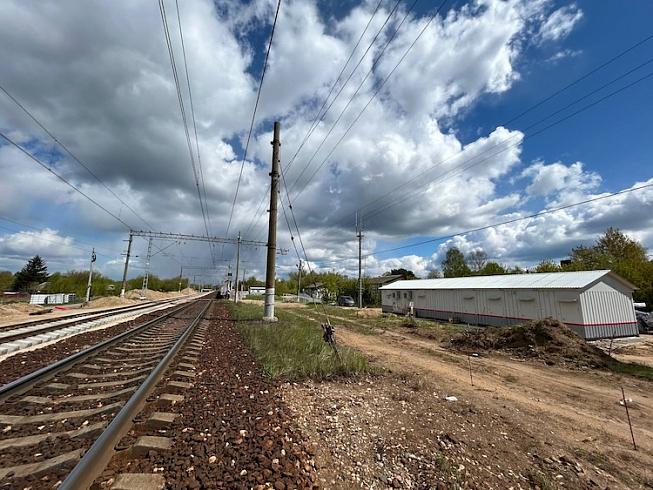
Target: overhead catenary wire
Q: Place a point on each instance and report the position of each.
(319, 116)
(251, 124)
(192, 112)
(360, 85)
(180, 99)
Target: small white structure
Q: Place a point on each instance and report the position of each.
(52, 299)
(257, 290)
(594, 304)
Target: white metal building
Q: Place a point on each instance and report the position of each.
(595, 304)
(52, 299)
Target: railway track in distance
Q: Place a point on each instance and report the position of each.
(59, 425)
(14, 338)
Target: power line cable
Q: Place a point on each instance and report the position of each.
(192, 112)
(251, 124)
(63, 179)
(534, 106)
(420, 178)
(108, 254)
(180, 99)
(495, 225)
(71, 154)
(514, 220)
(319, 116)
(367, 75)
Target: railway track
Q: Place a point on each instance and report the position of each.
(14, 338)
(59, 425)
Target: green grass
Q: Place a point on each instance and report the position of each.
(631, 369)
(292, 348)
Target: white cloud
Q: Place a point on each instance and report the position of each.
(556, 178)
(560, 23)
(120, 116)
(564, 54)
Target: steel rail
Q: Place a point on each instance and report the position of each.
(24, 383)
(100, 453)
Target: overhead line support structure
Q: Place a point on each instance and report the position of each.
(359, 235)
(124, 272)
(268, 312)
(159, 235)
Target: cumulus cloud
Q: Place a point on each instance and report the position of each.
(99, 76)
(557, 177)
(560, 23)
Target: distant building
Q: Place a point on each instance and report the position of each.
(257, 290)
(594, 304)
(375, 283)
(52, 299)
(315, 290)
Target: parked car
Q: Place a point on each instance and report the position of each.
(644, 321)
(346, 301)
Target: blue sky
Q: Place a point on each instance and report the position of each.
(107, 92)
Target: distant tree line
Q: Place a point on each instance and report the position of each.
(34, 277)
(613, 250)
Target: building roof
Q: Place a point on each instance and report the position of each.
(538, 280)
(385, 279)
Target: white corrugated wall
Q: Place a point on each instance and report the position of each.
(604, 310)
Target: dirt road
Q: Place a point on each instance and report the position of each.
(572, 413)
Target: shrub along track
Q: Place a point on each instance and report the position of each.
(231, 430)
(47, 425)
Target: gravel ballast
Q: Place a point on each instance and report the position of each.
(232, 429)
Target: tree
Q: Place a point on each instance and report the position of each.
(404, 273)
(548, 266)
(621, 254)
(492, 269)
(477, 260)
(29, 277)
(6, 280)
(434, 274)
(454, 264)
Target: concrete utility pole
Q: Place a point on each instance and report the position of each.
(124, 273)
(359, 234)
(299, 278)
(146, 277)
(268, 312)
(237, 268)
(181, 272)
(90, 277)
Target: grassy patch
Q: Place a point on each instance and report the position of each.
(292, 348)
(631, 369)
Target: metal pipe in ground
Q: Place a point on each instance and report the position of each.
(101, 452)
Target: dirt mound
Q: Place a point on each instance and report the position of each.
(17, 310)
(109, 301)
(547, 339)
(369, 313)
